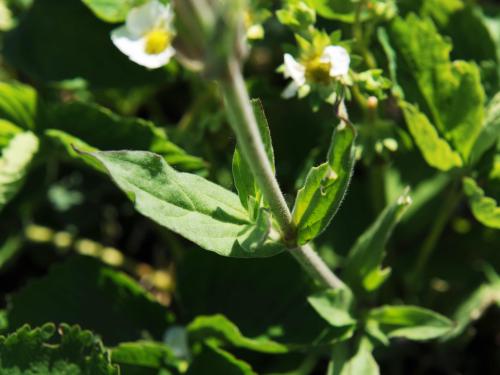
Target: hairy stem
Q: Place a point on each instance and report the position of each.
(244, 124)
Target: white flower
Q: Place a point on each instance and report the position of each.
(333, 63)
(146, 38)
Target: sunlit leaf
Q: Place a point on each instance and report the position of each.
(325, 186)
(485, 209)
(187, 204)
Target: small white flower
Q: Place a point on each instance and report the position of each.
(332, 64)
(146, 38)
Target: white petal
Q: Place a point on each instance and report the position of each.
(290, 91)
(135, 48)
(294, 70)
(339, 60)
(144, 18)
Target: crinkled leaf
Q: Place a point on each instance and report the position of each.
(248, 190)
(452, 91)
(325, 186)
(219, 362)
(217, 329)
(485, 209)
(362, 270)
(18, 104)
(72, 291)
(14, 164)
(435, 150)
(411, 322)
(490, 133)
(334, 306)
(74, 44)
(112, 10)
(203, 212)
(42, 351)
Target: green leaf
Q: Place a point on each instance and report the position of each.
(18, 104)
(219, 330)
(325, 186)
(490, 132)
(112, 10)
(248, 190)
(362, 362)
(74, 44)
(42, 351)
(411, 322)
(14, 164)
(9, 249)
(93, 125)
(362, 270)
(452, 91)
(219, 362)
(144, 354)
(441, 10)
(485, 209)
(334, 306)
(7, 131)
(71, 293)
(335, 9)
(435, 150)
(201, 211)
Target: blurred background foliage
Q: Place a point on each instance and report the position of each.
(74, 251)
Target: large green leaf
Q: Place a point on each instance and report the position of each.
(452, 91)
(485, 209)
(411, 322)
(189, 205)
(362, 270)
(94, 124)
(18, 104)
(14, 164)
(325, 186)
(42, 351)
(219, 330)
(71, 43)
(435, 150)
(248, 190)
(112, 10)
(85, 292)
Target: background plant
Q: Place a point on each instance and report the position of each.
(389, 172)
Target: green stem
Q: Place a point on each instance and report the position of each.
(430, 242)
(244, 124)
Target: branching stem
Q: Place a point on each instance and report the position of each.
(244, 124)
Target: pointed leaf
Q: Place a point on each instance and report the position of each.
(435, 150)
(411, 322)
(220, 330)
(187, 204)
(344, 363)
(362, 268)
(248, 190)
(14, 164)
(144, 354)
(334, 306)
(325, 186)
(485, 209)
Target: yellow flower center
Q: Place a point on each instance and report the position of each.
(157, 41)
(317, 71)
